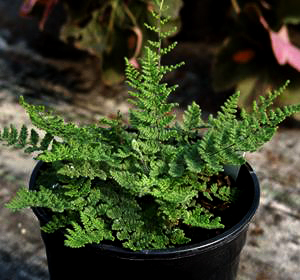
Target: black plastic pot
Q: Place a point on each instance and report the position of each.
(213, 259)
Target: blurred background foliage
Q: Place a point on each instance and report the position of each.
(253, 44)
(260, 51)
(109, 29)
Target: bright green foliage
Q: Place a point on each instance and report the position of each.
(197, 218)
(22, 139)
(141, 184)
(44, 196)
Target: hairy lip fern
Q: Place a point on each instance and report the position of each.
(145, 183)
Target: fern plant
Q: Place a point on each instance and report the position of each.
(147, 184)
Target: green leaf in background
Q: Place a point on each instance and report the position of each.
(288, 11)
(113, 30)
(246, 60)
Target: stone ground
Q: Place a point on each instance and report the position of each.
(68, 80)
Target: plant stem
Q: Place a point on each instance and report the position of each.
(159, 33)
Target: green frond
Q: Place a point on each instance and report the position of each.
(152, 28)
(23, 137)
(154, 44)
(176, 165)
(127, 180)
(83, 168)
(192, 118)
(168, 33)
(10, 135)
(77, 237)
(200, 218)
(178, 237)
(193, 160)
(224, 193)
(175, 194)
(80, 188)
(77, 151)
(43, 198)
(92, 230)
(20, 139)
(34, 137)
(157, 168)
(47, 121)
(177, 168)
(164, 69)
(228, 110)
(58, 221)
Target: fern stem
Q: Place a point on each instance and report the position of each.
(159, 33)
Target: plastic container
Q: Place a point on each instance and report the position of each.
(214, 259)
